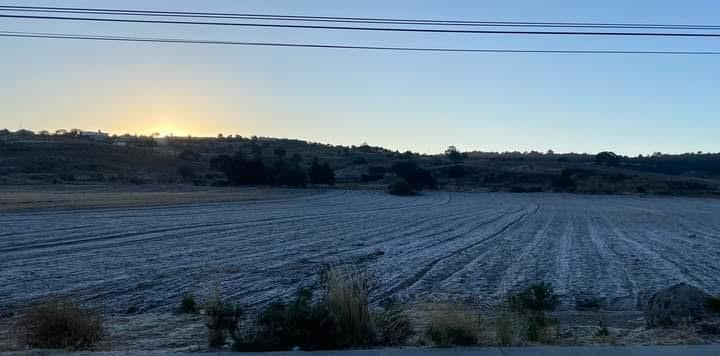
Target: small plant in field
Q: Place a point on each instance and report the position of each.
(132, 309)
(603, 331)
(223, 321)
(188, 305)
(454, 327)
(60, 324)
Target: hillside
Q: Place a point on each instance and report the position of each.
(27, 158)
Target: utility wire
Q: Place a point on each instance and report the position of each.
(328, 46)
(391, 29)
(226, 15)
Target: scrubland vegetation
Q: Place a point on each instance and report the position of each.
(338, 315)
(72, 157)
(59, 324)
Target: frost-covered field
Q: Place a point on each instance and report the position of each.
(433, 247)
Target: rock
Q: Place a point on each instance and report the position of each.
(681, 303)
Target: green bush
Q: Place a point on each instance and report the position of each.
(537, 297)
(188, 305)
(282, 326)
(340, 319)
(401, 188)
(532, 303)
(60, 324)
(223, 321)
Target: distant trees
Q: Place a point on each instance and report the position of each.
(607, 158)
(280, 153)
(454, 155)
(241, 170)
(415, 176)
(189, 155)
(321, 173)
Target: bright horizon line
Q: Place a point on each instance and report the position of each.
(207, 136)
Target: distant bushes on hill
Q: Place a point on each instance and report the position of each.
(240, 170)
(415, 176)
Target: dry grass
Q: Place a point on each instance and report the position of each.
(453, 325)
(347, 300)
(60, 324)
(505, 331)
(117, 196)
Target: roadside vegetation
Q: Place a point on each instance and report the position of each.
(339, 315)
(60, 324)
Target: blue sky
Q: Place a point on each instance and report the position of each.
(419, 101)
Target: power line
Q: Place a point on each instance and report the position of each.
(390, 29)
(226, 15)
(328, 46)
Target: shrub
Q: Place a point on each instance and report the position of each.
(392, 326)
(60, 324)
(505, 329)
(590, 303)
(340, 319)
(415, 176)
(603, 330)
(223, 320)
(538, 327)
(536, 297)
(713, 303)
(401, 188)
(188, 305)
(532, 303)
(453, 327)
(302, 323)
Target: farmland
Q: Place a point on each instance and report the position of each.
(437, 246)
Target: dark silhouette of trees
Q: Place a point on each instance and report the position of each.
(415, 176)
(607, 158)
(240, 170)
(296, 158)
(401, 188)
(454, 155)
(321, 173)
(280, 153)
(456, 171)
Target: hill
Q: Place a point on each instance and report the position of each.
(74, 158)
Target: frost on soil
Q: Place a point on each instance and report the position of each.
(436, 246)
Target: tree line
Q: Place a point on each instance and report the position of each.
(242, 170)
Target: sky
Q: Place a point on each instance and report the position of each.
(424, 102)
